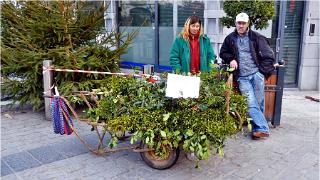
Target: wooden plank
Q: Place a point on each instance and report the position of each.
(270, 96)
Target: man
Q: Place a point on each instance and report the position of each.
(249, 53)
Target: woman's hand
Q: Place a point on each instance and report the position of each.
(234, 64)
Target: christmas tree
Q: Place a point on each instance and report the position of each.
(70, 33)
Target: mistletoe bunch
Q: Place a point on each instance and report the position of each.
(141, 107)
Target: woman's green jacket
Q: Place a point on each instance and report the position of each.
(180, 55)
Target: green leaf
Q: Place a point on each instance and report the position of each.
(177, 133)
(132, 140)
(165, 142)
(163, 134)
(221, 151)
(166, 116)
(191, 148)
(175, 144)
(249, 127)
(152, 134)
(203, 137)
(189, 132)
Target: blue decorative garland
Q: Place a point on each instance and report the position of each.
(60, 124)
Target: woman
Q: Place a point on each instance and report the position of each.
(192, 52)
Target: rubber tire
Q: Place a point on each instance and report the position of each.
(159, 164)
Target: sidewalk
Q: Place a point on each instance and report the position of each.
(30, 150)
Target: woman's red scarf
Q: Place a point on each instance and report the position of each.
(194, 54)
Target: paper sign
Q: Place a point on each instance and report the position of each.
(182, 86)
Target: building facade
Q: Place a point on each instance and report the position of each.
(293, 33)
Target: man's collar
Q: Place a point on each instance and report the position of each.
(247, 32)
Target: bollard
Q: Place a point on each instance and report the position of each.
(47, 84)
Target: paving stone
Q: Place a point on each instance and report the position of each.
(21, 161)
(85, 161)
(47, 171)
(307, 161)
(5, 170)
(264, 160)
(125, 163)
(139, 173)
(295, 155)
(265, 173)
(303, 177)
(228, 168)
(46, 154)
(288, 174)
(122, 177)
(245, 172)
(70, 148)
(183, 175)
(312, 173)
(10, 177)
(232, 177)
(279, 164)
(101, 169)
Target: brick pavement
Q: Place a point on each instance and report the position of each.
(29, 150)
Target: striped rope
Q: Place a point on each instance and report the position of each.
(99, 72)
(67, 129)
(49, 90)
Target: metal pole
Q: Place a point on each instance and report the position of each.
(156, 33)
(279, 94)
(175, 19)
(47, 84)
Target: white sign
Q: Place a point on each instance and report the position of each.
(182, 86)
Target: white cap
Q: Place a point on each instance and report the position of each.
(242, 17)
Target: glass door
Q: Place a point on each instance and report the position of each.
(140, 15)
(290, 30)
(292, 40)
(165, 31)
(275, 32)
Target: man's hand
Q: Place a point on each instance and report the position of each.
(234, 64)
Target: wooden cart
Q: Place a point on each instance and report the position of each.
(148, 155)
(273, 100)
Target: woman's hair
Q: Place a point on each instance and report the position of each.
(191, 20)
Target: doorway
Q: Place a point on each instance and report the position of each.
(289, 34)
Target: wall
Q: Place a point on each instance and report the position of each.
(309, 67)
(212, 12)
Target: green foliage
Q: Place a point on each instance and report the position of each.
(137, 105)
(71, 33)
(259, 12)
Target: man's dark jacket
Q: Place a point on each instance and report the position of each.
(260, 49)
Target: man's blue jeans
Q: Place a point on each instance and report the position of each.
(252, 87)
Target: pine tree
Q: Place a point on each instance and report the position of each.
(63, 31)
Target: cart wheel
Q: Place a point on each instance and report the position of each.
(157, 162)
